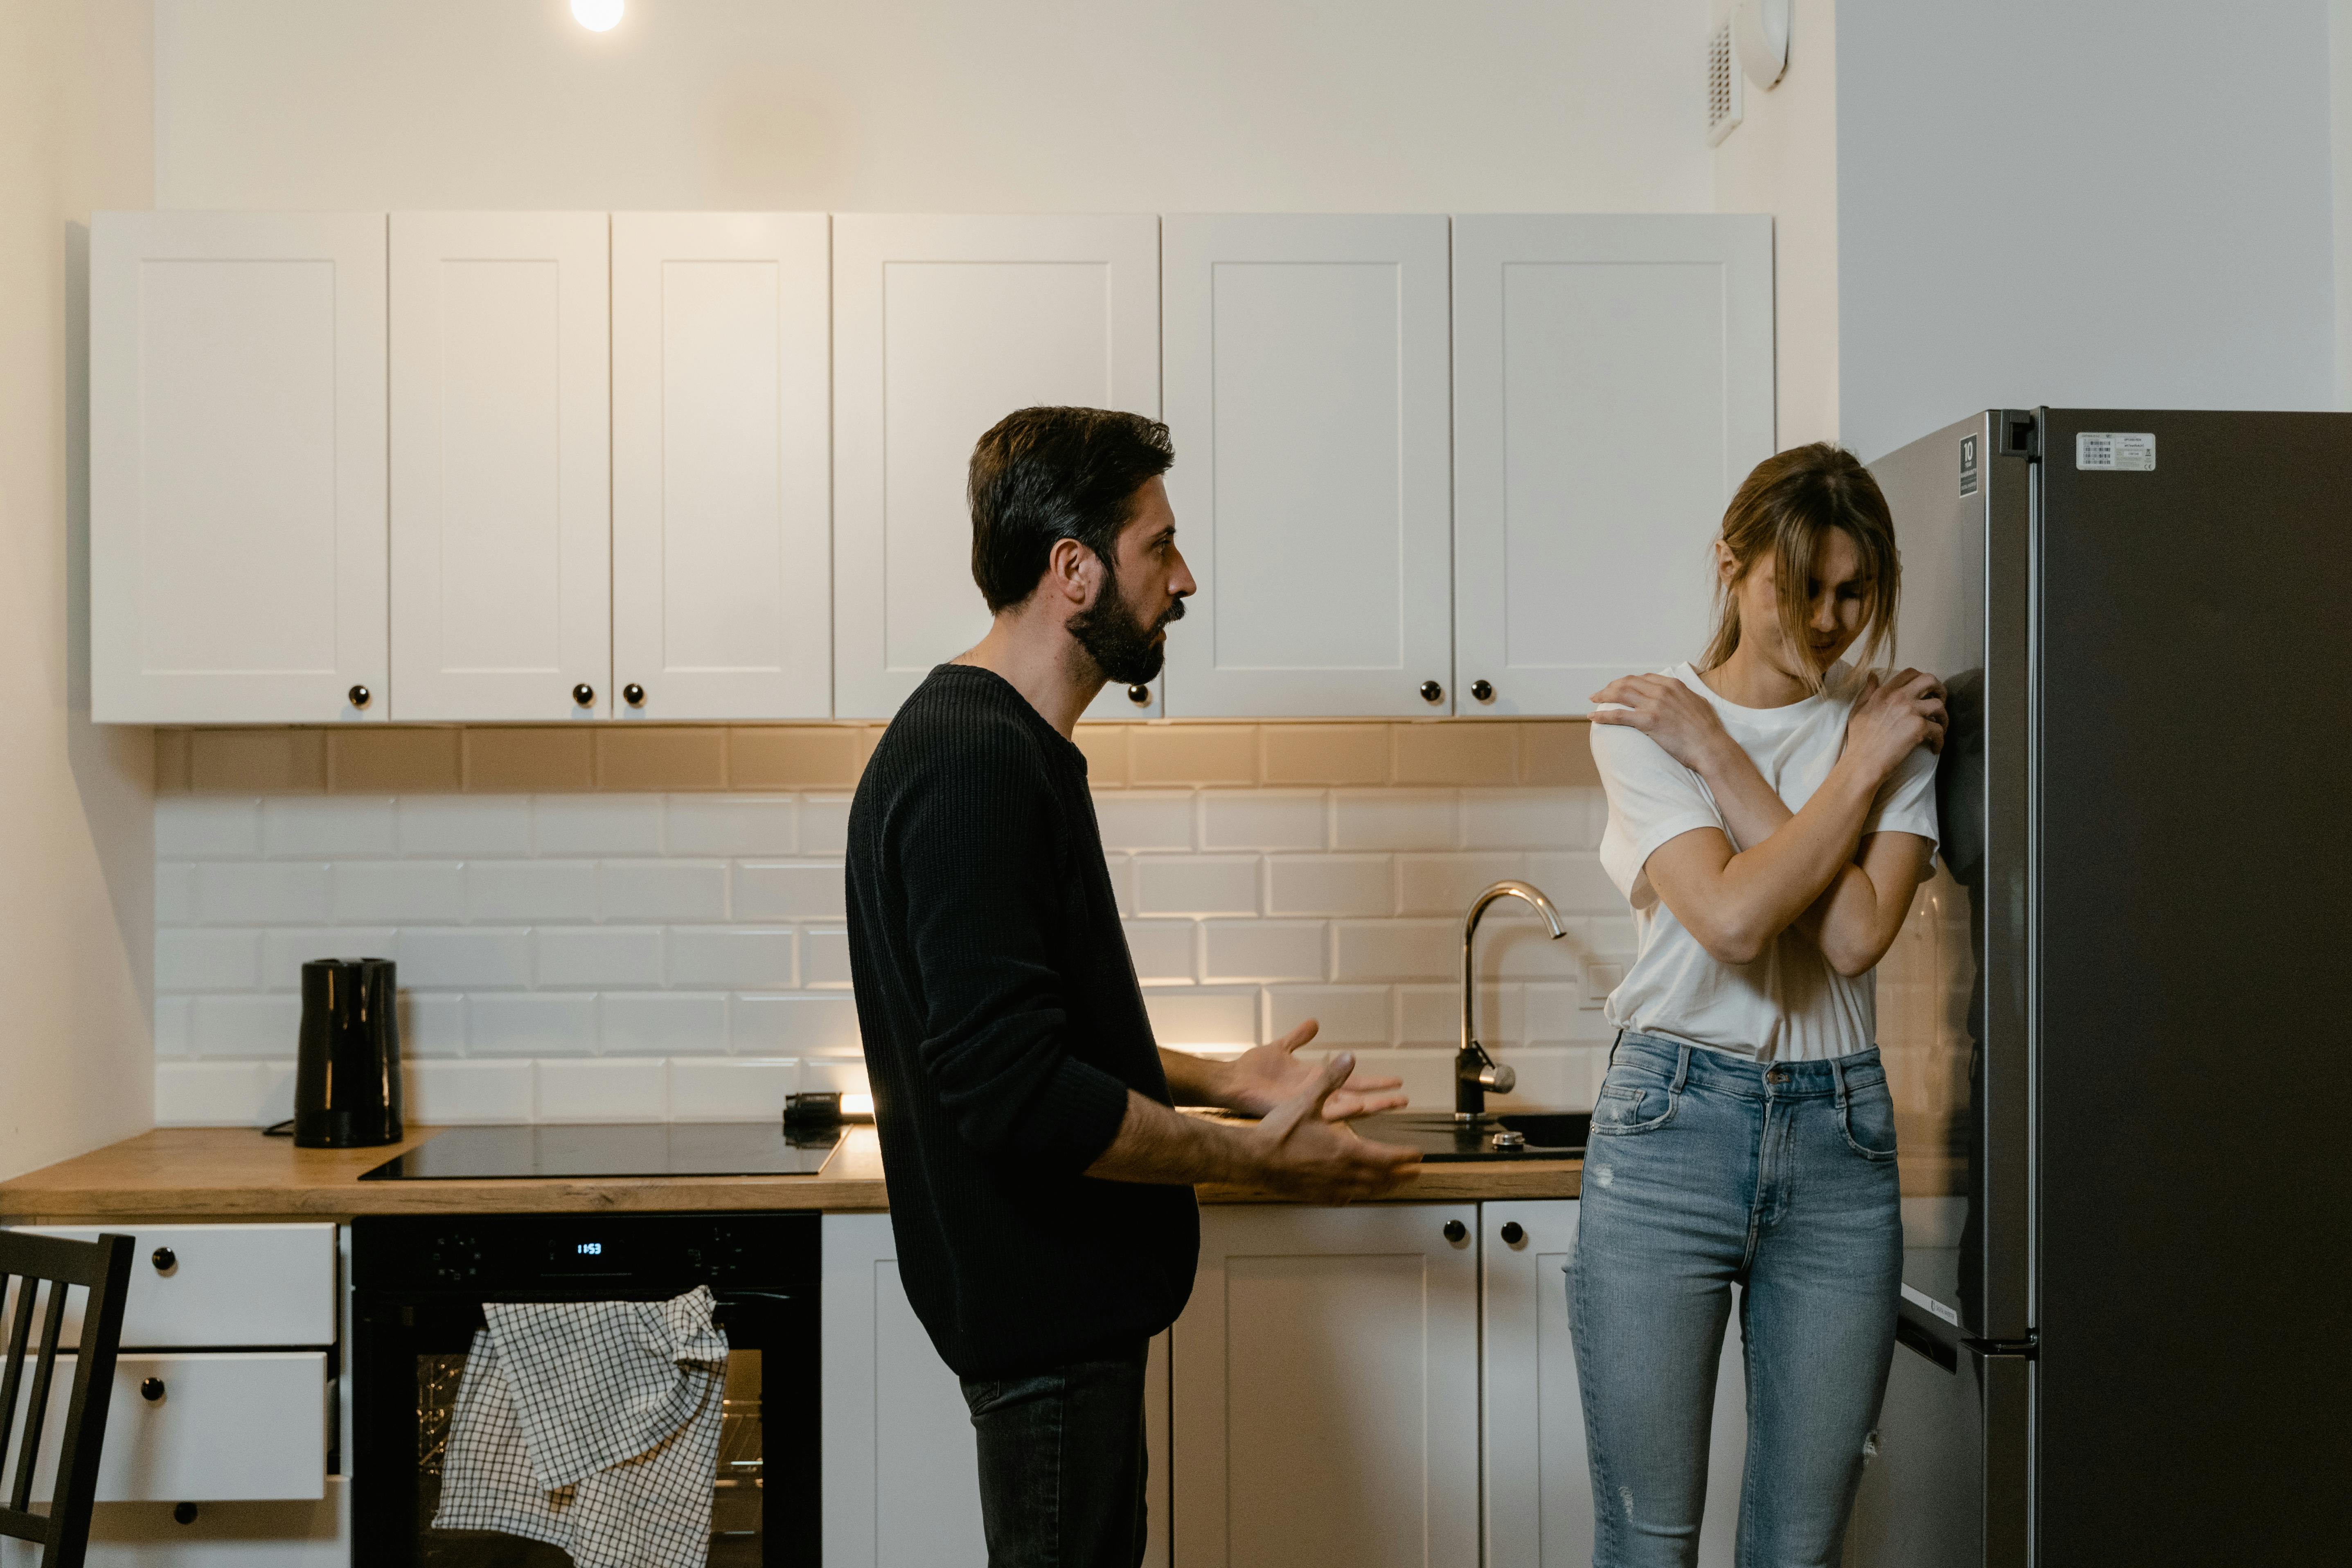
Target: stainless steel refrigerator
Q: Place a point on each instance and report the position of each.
(2116, 1026)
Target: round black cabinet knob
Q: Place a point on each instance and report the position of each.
(184, 1513)
(360, 696)
(584, 695)
(151, 1389)
(1456, 1232)
(633, 695)
(164, 1260)
(1139, 695)
(1484, 690)
(1431, 693)
(1513, 1234)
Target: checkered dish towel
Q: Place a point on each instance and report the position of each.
(592, 1427)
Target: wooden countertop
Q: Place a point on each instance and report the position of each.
(235, 1173)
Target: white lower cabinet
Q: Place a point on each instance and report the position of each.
(1539, 1492)
(312, 1534)
(222, 1424)
(901, 1476)
(1325, 1389)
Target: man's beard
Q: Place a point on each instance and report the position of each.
(1122, 647)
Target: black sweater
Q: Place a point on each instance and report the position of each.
(1004, 1027)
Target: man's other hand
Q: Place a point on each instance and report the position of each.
(1300, 1152)
(1264, 1077)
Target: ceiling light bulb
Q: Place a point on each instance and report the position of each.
(597, 16)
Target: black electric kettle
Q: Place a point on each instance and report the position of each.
(346, 1078)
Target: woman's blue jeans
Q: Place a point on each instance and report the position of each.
(1706, 1170)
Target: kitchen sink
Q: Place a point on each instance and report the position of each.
(1550, 1135)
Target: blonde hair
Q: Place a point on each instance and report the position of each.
(1787, 507)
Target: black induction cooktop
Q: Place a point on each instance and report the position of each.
(615, 1148)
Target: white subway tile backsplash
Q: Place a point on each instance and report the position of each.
(187, 960)
(627, 1090)
(663, 889)
(399, 891)
(1263, 819)
(1350, 1017)
(443, 1093)
(733, 958)
(825, 824)
(432, 1023)
(199, 826)
(783, 890)
(560, 892)
(175, 893)
(1529, 819)
(1331, 885)
(465, 957)
(1144, 819)
(261, 893)
(1395, 819)
(330, 826)
(1395, 950)
(732, 825)
(445, 825)
(1576, 884)
(284, 952)
(1196, 885)
(595, 957)
(1165, 952)
(1551, 1078)
(731, 1088)
(1445, 884)
(834, 1073)
(825, 958)
(1262, 950)
(223, 1094)
(664, 1023)
(1431, 1014)
(596, 823)
(1182, 1018)
(174, 1025)
(1524, 949)
(785, 1023)
(529, 1024)
(246, 1026)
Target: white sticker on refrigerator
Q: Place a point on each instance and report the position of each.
(1927, 1303)
(2122, 451)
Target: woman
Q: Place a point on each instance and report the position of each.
(1770, 814)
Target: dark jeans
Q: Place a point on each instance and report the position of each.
(1061, 1464)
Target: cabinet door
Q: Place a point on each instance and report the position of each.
(722, 591)
(501, 510)
(1326, 1390)
(303, 1534)
(1538, 1488)
(1613, 385)
(237, 467)
(942, 327)
(901, 1476)
(1308, 397)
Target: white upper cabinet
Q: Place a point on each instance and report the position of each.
(1613, 385)
(237, 467)
(1308, 398)
(722, 586)
(501, 512)
(942, 327)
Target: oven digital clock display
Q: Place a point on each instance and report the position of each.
(586, 1254)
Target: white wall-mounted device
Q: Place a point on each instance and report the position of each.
(1760, 31)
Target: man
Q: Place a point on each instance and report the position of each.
(1039, 1174)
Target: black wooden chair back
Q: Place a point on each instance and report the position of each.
(29, 1263)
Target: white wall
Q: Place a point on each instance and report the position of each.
(1782, 159)
(2107, 203)
(1039, 105)
(76, 837)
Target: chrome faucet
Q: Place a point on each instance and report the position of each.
(1475, 1072)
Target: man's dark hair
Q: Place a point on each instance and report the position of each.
(1048, 474)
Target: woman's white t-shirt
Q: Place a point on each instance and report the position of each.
(1788, 1004)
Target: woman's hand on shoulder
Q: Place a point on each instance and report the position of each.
(1683, 723)
(1894, 717)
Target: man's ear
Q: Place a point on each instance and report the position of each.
(1072, 570)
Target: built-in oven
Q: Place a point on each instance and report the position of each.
(418, 1287)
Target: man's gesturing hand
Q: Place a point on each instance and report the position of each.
(1297, 1152)
(1264, 1077)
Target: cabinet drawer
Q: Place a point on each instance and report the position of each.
(228, 1425)
(294, 1535)
(227, 1285)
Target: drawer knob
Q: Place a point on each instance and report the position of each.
(360, 696)
(633, 695)
(164, 1260)
(583, 694)
(1431, 693)
(1484, 690)
(1456, 1232)
(1139, 695)
(1513, 1234)
(151, 1389)
(184, 1513)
